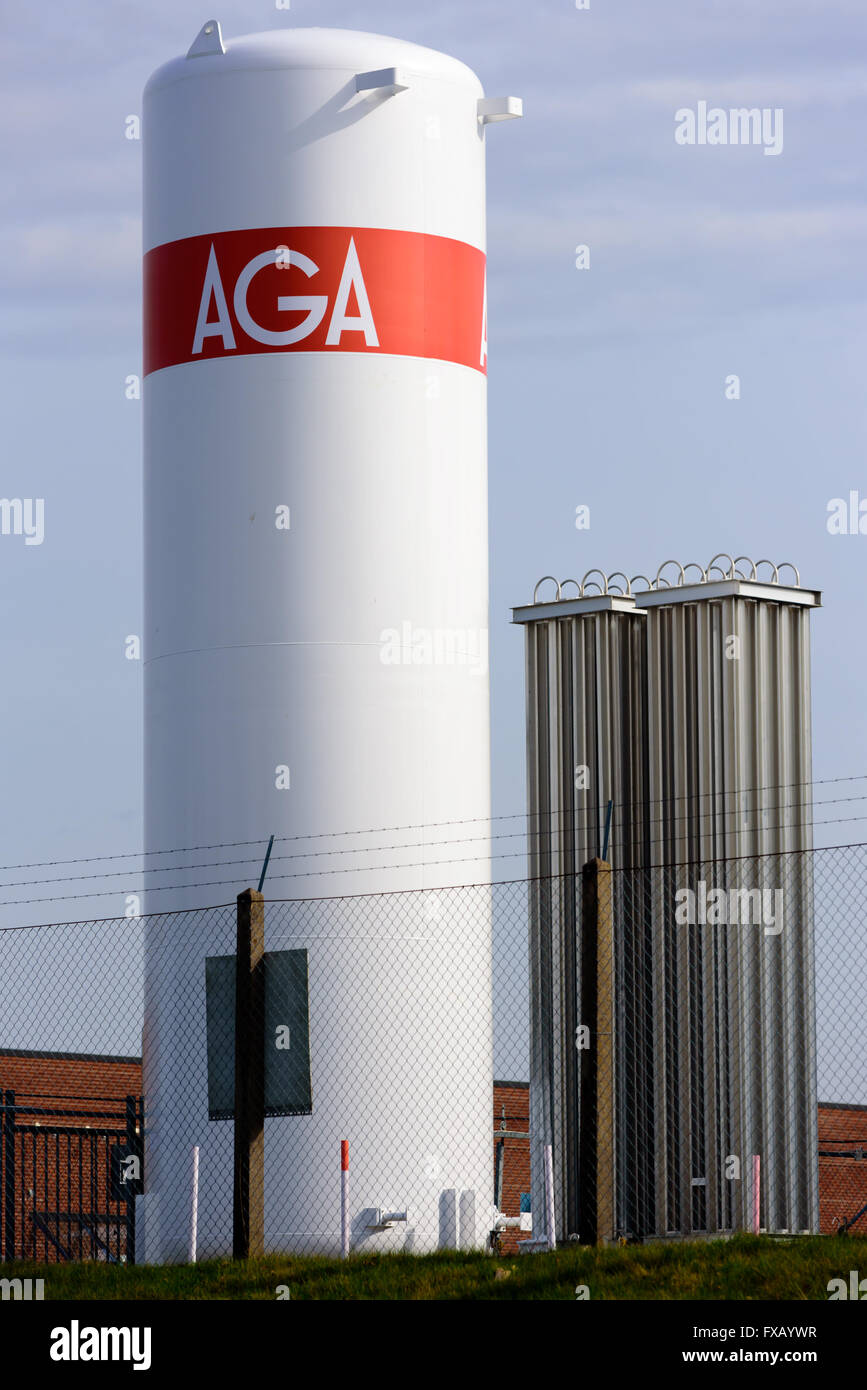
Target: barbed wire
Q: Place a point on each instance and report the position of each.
(436, 844)
(703, 860)
(427, 825)
(383, 868)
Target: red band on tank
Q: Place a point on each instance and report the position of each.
(343, 289)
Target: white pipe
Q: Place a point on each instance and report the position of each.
(757, 1194)
(194, 1215)
(344, 1198)
(549, 1197)
(467, 1217)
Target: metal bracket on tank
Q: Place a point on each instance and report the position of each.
(499, 109)
(208, 41)
(389, 80)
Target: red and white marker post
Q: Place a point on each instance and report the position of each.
(344, 1198)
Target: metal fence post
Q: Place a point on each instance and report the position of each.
(248, 1216)
(8, 1195)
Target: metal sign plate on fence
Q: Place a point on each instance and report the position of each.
(287, 1035)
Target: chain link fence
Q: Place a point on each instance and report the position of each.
(677, 1053)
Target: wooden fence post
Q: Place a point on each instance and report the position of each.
(248, 1214)
(598, 1097)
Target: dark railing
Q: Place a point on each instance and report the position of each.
(69, 1176)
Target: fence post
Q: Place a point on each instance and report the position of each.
(133, 1146)
(8, 1194)
(597, 1156)
(248, 1214)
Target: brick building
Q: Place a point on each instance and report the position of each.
(842, 1166)
(69, 1124)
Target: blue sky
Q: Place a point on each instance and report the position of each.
(606, 386)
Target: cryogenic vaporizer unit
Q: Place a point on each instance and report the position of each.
(684, 701)
(315, 490)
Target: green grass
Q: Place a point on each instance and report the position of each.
(746, 1267)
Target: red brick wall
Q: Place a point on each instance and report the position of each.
(514, 1099)
(842, 1181)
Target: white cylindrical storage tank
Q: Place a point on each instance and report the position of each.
(316, 613)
